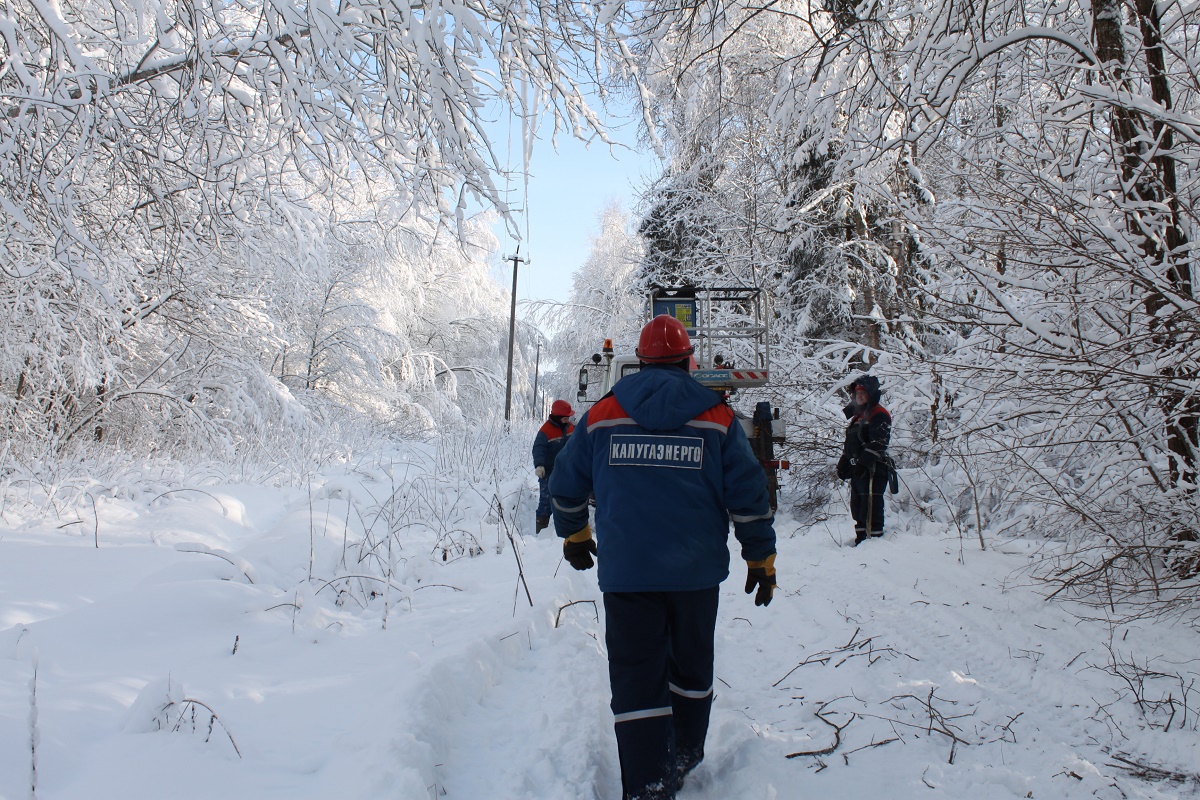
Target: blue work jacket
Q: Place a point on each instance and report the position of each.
(670, 467)
(549, 441)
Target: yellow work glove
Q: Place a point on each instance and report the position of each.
(762, 575)
(540, 472)
(579, 548)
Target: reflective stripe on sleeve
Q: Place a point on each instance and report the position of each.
(646, 713)
(739, 518)
(695, 695)
(566, 509)
(608, 423)
(703, 423)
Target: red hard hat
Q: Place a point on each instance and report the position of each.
(663, 341)
(560, 408)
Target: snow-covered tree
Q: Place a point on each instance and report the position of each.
(1012, 182)
(169, 173)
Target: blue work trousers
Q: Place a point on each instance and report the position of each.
(660, 668)
(543, 509)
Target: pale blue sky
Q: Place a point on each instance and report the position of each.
(567, 191)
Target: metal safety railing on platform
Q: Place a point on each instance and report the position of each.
(729, 328)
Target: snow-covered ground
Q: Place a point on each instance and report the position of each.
(215, 644)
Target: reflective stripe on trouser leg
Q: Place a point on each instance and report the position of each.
(660, 655)
(636, 636)
(692, 627)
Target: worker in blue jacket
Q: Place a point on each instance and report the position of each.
(669, 467)
(550, 440)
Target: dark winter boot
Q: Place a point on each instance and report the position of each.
(684, 764)
(542, 524)
(860, 536)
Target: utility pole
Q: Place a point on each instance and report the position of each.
(537, 366)
(512, 333)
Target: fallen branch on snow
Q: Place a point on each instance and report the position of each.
(837, 732)
(558, 614)
(851, 649)
(1150, 772)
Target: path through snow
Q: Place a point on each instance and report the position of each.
(945, 671)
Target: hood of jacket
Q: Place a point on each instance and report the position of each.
(663, 398)
(871, 384)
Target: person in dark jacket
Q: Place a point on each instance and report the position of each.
(549, 442)
(864, 460)
(669, 467)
